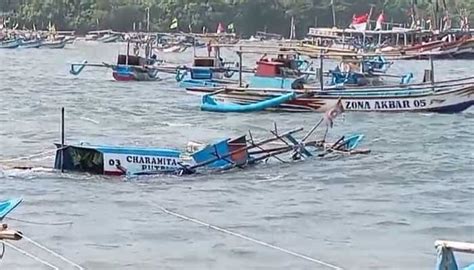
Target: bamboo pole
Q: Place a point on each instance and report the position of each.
(62, 139)
(240, 67)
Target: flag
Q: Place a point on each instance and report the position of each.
(220, 28)
(174, 23)
(333, 112)
(230, 27)
(359, 23)
(380, 21)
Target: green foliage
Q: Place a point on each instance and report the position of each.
(248, 16)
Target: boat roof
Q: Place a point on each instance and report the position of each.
(132, 150)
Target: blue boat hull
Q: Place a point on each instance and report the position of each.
(7, 206)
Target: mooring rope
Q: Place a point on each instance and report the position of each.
(30, 255)
(51, 252)
(41, 223)
(239, 235)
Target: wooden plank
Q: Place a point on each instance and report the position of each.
(456, 246)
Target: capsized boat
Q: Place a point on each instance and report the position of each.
(53, 44)
(222, 154)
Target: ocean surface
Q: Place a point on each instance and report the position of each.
(377, 211)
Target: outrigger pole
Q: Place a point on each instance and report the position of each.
(62, 139)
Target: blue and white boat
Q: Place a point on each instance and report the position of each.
(222, 154)
(53, 44)
(31, 44)
(205, 72)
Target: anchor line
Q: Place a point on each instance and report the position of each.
(41, 223)
(24, 252)
(51, 252)
(248, 238)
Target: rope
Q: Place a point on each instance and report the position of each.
(51, 252)
(41, 223)
(30, 255)
(238, 235)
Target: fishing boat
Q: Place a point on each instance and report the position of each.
(129, 67)
(53, 44)
(446, 259)
(29, 44)
(450, 96)
(209, 71)
(222, 154)
(10, 44)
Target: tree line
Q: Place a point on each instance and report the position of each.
(246, 16)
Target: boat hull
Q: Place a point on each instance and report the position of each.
(10, 44)
(54, 44)
(116, 160)
(128, 73)
(450, 100)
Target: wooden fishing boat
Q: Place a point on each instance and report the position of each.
(128, 67)
(10, 44)
(208, 71)
(446, 259)
(220, 155)
(443, 97)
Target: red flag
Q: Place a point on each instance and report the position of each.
(360, 22)
(333, 112)
(360, 19)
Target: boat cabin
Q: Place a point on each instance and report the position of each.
(277, 67)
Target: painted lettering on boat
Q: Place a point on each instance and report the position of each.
(164, 161)
(385, 104)
(139, 163)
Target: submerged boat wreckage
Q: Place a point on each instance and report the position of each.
(224, 154)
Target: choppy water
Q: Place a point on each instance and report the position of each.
(381, 211)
